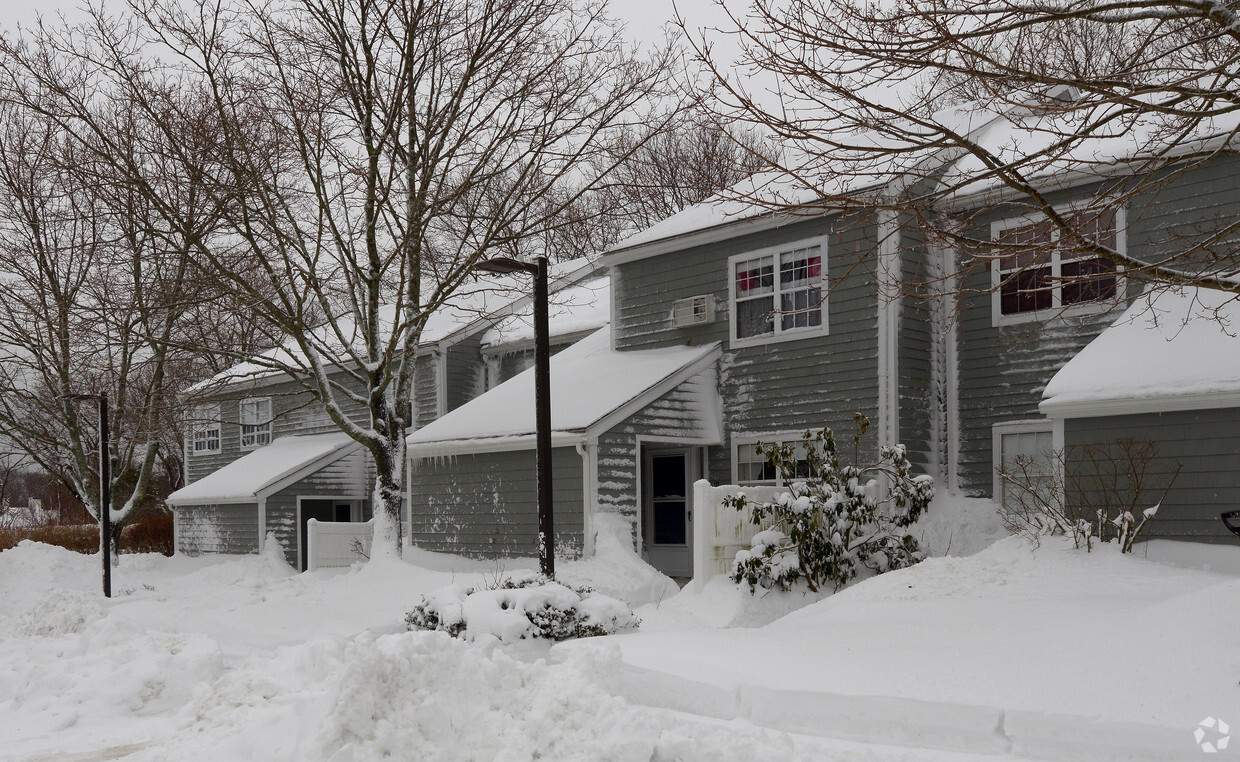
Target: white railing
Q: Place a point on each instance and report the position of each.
(335, 544)
(719, 531)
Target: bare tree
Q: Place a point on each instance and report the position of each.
(975, 103)
(93, 298)
(364, 155)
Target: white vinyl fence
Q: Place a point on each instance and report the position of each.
(334, 544)
(719, 531)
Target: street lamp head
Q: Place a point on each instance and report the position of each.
(506, 266)
(79, 397)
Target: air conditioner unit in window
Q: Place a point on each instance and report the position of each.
(696, 310)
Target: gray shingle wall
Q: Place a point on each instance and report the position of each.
(914, 350)
(295, 412)
(1002, 371)
(788, 386)
(677, 414)
(466, 371)
(217, 529)
(1205, 442)
(486, 505)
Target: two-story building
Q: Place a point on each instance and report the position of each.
(733, 325)
(263, 457)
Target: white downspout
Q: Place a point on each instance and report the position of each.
(262, 523)
(589, 480)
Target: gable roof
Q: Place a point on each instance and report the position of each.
(474, 307)
(266, 470)
(592, 387)
(1171, 350)
(577, 309)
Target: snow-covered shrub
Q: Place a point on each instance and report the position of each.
(834, 517)
(518, 609)
(1096, 497)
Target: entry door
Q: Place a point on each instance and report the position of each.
(320, 510)
(667, 510)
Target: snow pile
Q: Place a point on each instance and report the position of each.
(59, 613)
(955, 525)
(722, 604)
(615, 569)
(520, 610)
(427, 696)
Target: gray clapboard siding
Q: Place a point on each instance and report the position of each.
(785, 386)
(425, 388)
(466, 374)
(486, 505)
(913, 356)
(295, 413)
(675, 415)
(217, 529)
(1205, 442)
(346, 478)
(1002, 371)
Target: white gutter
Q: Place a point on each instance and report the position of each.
(1163, 404)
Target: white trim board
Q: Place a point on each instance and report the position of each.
(1134, 406)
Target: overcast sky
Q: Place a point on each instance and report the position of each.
(645, 18)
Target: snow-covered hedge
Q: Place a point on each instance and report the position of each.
(834, 517)
(518, 609)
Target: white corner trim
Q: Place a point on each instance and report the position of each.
(262, 523)
(888, 286)
(441, 381)
(588, 451)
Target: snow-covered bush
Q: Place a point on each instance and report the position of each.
(1096, 497)
(834, 517)
(518, 609)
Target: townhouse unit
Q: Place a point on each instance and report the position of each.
(263, 457)
(734, 325)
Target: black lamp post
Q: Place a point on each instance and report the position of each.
(542, 399)
(105, 487)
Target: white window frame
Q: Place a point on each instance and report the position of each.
(999, 227)
(775, 437)
(204, 421)
(251, 440)
(1034, 426)
(779, 333)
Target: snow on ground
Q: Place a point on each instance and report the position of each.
(238, 658)
(1048, 653)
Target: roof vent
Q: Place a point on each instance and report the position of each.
(696, 310)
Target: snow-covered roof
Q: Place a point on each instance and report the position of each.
(591, 384)
(1170, 350)
(572, 310)
(756, 196)
(1022, 133)
(474, 303)
(265, 470)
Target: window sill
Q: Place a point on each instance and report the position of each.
(778, 338)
